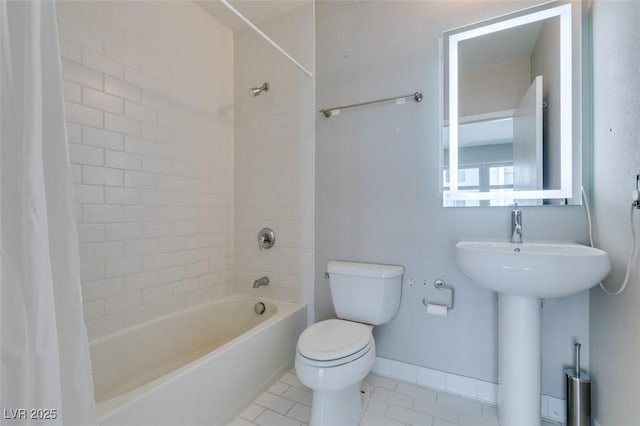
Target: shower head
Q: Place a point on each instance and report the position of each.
(255, 91)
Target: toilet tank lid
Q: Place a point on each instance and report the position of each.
(372, 270)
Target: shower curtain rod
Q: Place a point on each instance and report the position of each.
(233, 10)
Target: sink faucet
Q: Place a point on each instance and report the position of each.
(516, 225)
(260, 282)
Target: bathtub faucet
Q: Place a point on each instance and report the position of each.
(260, 282)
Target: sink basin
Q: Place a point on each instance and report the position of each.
(532, 269)
(522, 274)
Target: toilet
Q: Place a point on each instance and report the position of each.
(334, 356)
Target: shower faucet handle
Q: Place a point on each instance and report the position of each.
(266, 238)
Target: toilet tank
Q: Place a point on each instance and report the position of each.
(365, 292)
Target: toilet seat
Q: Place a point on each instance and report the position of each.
(334, 342)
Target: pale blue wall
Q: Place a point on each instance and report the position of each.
(377, 188)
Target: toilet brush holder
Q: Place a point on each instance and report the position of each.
(578, 394)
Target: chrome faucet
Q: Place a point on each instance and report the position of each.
(260, 282)
(516, 225)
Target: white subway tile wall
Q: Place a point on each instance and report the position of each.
(274, 157)
(151, 147)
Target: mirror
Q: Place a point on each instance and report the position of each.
(512, 116)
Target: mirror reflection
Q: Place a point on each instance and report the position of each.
(508, 110)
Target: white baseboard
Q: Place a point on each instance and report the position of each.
(552, 408)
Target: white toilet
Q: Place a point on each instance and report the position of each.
(333, 356)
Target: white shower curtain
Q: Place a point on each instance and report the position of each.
(45, 370)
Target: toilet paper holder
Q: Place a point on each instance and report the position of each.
(442, 286)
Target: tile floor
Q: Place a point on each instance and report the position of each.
(389, 403)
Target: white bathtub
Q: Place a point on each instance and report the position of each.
(199, 366)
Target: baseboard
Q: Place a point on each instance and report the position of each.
(552, 408)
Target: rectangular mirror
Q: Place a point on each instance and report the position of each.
(512, 109)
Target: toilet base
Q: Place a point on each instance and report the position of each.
(337, 408)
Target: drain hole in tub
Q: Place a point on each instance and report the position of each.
(259, 308)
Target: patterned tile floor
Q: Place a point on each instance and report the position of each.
(389, 403)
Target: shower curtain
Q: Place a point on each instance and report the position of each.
(45, 370)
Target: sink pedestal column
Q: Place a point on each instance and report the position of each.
(519, 364)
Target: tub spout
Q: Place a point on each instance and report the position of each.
(260, 282)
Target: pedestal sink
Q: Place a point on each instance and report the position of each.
(522, 274)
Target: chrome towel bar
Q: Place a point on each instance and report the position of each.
(328, 112)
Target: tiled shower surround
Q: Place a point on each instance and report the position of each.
(274, 157)
(149, 104)
(176, 167)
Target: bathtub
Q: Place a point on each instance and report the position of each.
(199, 366)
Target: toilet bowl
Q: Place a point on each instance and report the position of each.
(334, 356)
